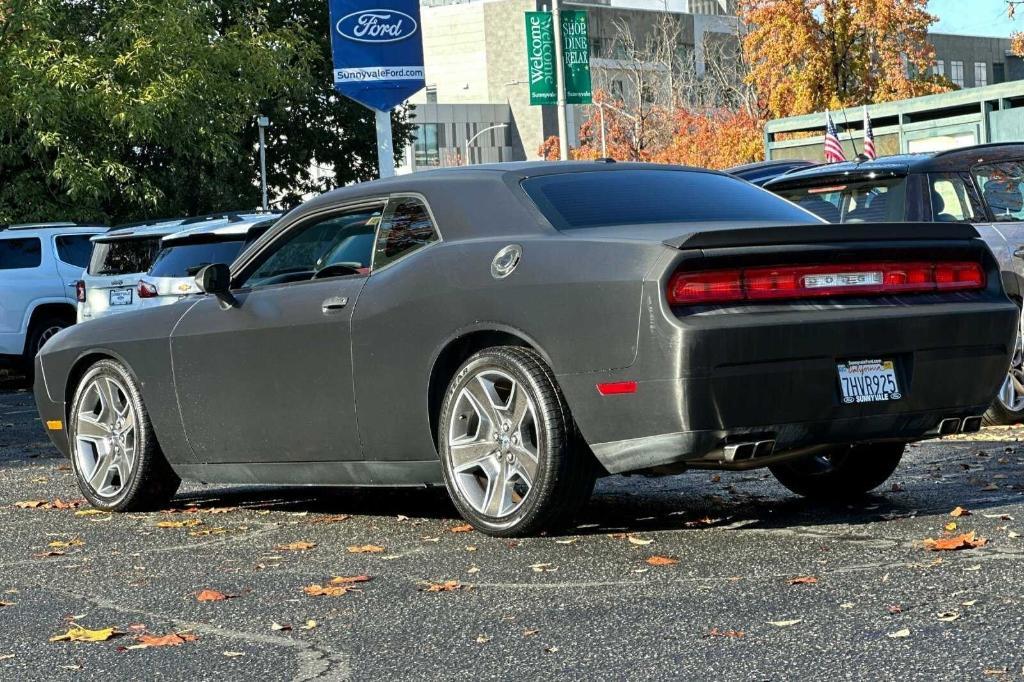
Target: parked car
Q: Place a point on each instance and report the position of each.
(761, 172)
(39, 266)
(120, 258)
(980, 185)
(182, 254)
(514, 331)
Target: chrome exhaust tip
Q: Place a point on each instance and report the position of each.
(764, 448)
(971, 425)
(949, 426)
(739, 451)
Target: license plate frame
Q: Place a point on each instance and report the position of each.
(121, 296)
(868, 381)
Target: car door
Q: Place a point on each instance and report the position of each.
(269, 378)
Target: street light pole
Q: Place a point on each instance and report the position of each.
(263, 122)
(470, 140)
(563, 127)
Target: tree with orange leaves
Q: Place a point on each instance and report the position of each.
(813, 55)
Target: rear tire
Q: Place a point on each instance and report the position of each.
(40, 331)
(117, 462)
(1008, 407)
(512, 459)
(843, 473)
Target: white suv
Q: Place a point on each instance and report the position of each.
(40, 265)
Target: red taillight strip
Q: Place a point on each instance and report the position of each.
(795, 282)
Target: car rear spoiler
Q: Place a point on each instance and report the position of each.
(809, 234)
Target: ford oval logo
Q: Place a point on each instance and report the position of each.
(376, 26)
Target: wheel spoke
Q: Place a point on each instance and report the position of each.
(468, 455)
(518, 406)
(108, 408)
(480, 394)
(525, 466)
(91, 428)
(498, 495)
(99, 476)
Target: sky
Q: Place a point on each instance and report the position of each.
(974, 17)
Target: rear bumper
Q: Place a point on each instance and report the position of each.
(744, 376)
(51, 412)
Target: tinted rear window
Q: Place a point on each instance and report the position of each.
(75, 249)
(16, 254)
(873, 201)
(185, 260)
(123, 256)
(631, 197)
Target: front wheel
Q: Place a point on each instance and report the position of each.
(512, 459)
(114, 453)
(841, 473)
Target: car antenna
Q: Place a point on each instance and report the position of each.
(846, 122)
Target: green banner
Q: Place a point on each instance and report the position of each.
(576, 57)
(540, 57)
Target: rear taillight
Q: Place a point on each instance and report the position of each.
(817, 281)
(80, 291)
(147, 290)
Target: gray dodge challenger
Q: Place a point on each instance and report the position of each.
(516, 331)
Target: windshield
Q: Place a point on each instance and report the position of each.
(185, 260)
(873, 201)
(1000, 185)
(641, 196)
(123, 256)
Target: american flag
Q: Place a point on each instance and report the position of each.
(833, 148)
(869, 137)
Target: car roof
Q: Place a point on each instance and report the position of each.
(154, 229)
(62, 227)
(237, 225)
(952, 160)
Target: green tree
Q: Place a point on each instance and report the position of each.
(115, 110)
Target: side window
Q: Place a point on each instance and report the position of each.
(74, 249)
(1001, 188)
(405, 227)
(18, 254)
(949, 199)
(340, 244)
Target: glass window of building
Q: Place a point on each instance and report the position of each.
(956, 73)
(980, 74)
(426, 148)
(940, 68)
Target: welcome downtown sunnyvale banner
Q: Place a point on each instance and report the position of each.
(540, 57)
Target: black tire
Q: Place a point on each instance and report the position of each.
(844, 473)
(150, 483)
(39, 332)
(1001, 412)
(565, 469)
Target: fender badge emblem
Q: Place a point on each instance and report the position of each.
(505, 261)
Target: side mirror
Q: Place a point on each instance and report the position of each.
(216, 279)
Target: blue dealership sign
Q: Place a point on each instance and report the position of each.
(378, 50)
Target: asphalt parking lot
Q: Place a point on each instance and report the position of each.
(443, 603)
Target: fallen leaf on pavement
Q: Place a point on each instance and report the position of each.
(31, 504)
(962, 541)
(203, 532)
(211, 595)
(948, 616)
(530, 632)
(990, 488)
(951, 526)
(70, 504)
(483, 639)
(80, 634)
(543, 568)
(1001, 517)
(639, 541)
(657, 560)
(280, 627)
(364, 549)
(735, 634)
(333, 518)
(171, 639)
(350, 580)
(299, 546)
(446, 586)
(90, 512)
(958, 512)
(233, 654)
(802, 580)
(310, 624)
(905, 632)
(60, 544)
(464, 528)
(49, 553)
(6, 603)
(785, 623)
(188, 523)
(566, 541)
(327, 590)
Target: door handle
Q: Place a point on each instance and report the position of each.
(1019, 252)
(334, 304)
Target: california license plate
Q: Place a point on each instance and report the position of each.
(868, 381)
(121, 296)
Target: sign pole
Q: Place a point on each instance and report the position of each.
(563, 128)
(385, 149)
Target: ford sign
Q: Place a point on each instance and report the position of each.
(376, 26)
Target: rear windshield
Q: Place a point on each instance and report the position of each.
(875, 201)
(123, 256)
(185, 260)
(636, 196)
(16, 254)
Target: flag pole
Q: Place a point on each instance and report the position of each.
(849, 132)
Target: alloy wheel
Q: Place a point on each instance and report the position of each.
(106, 436)
(46, 335)
(493, 443)
(1011, 394)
